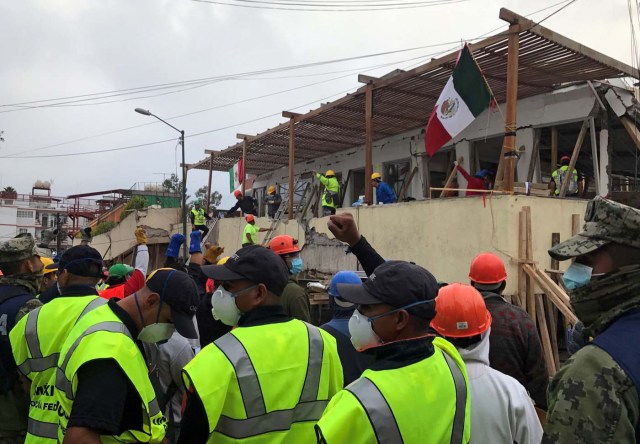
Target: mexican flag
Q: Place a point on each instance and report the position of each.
(235, 176)
(464, 97)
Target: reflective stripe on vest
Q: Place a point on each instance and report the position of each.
(258, 420)
(42, 429)
(37, 362)
(62, 383)
(381, 416)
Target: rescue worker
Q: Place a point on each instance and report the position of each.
(123, 279)
(515, 349)
(270, 378)
(353, 362)
(273, 201)
(384, 192)
(102, 386)
(416, 390)
(594, 395)
(294, 298)
(246, 204)
(331, 195)
(22, 275)
(250, 233)
(49, 276)
(501, 410)
(481, 180)
(560, 175)
(36, 341)
(199, 218)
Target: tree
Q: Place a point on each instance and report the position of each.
(172, 185)
(214, 199)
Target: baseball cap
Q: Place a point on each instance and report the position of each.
(254, 263)
(179, 292)
(396, 283)
(21, 247)
(78, 260)
(120, 271)
(46, 261)
(606, 221)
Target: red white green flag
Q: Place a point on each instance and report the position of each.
(236, 174)
(464, 97)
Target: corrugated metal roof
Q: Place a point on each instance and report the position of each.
(403, 101)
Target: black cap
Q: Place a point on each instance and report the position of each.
(178, 291)
(254, 263)
(78, 260)
(396, 283)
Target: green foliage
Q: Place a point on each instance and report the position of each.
(9, 190)
(102, 227)
(136, 203)
(214, 199)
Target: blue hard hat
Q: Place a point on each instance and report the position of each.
(342, 277)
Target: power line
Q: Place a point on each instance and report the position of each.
(369, 9)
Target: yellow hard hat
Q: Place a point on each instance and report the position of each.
(46, 262)
(329, 173)
(223, 260)
(375, 176)
(271, 189)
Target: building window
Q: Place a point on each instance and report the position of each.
(22, 231)
(25, 214)
(8, 202)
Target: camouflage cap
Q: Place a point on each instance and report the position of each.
(606, 221)
(21, 247)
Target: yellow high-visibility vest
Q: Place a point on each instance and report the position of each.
(266, 383)
(101, 334)
(36, 342)
(425, 402)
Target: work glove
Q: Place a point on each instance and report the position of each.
(576, 338)
(455, 163)
(141, 235)
(173, 250)
(212, 253)
(194, 244)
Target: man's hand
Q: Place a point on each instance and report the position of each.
(193, 228)
(344, 228)
(455, 163)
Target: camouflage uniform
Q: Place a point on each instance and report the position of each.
(592, 398)
(16, 299)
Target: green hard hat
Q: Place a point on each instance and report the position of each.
(197, 202)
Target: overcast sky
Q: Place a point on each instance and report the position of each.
(56, 49)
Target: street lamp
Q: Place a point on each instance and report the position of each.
(146, 112)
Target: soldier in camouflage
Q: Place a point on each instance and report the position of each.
(594, 398)
(22, 268)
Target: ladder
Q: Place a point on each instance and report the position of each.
(211, 224)
(299, 210)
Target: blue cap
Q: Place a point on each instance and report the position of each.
(342, 277)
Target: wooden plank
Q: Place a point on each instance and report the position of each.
(575, 224)
(554, 148)
(292, 150)
(562, 302)
(574, 157)
(452, 176)
(552, 317)
(545, 337)
(509, 144)
(522, 253)
(594, 154)
(368, 150)
(535, 154)
(632, 130)
(407, 184)
(531, 303)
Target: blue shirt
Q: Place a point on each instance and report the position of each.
(385, 194)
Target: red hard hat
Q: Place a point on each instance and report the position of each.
(487, 268)
(460, 312)
(237, 193)
(249, 218)
(563, 158)
(284, 244)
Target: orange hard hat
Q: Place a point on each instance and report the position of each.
(487, 268)
(284, 244)
(249, 218)
(237, 193)
(460, 312)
